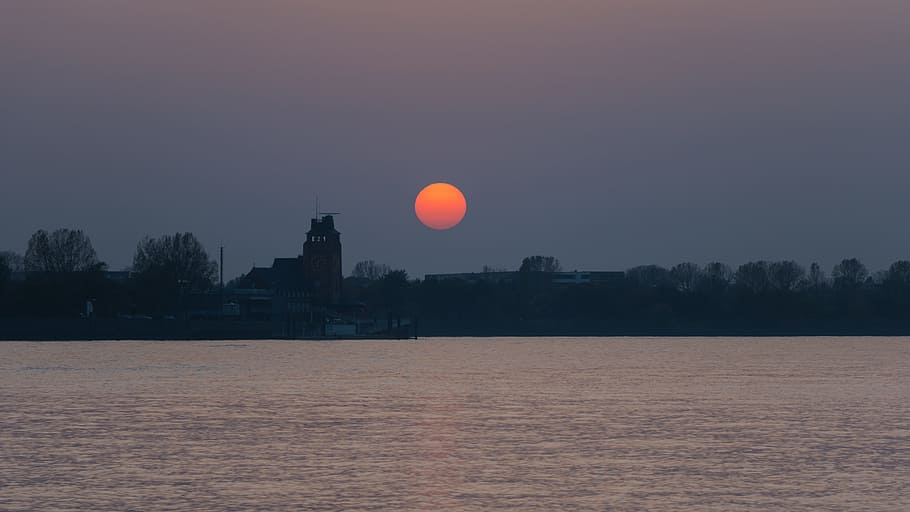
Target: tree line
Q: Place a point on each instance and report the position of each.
(62, 271)
(759, 297)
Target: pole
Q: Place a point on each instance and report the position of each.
(221, 293)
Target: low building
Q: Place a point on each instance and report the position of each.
(475, 277)
(587, 277)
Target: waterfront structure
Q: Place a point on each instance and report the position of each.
(322, 261)
(314, 275)
(297, 294)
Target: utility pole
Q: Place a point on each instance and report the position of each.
(221, 294)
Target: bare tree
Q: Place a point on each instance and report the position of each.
(898, 273)
(648, 276)
(369, 269)
(685, 276)
(64, 250)
(540, 264)
(753, 276)
(716, 276)
(5, 270)
(816, 278)
(785, 275)
(13, 261)
(175, 261)
(849, 273)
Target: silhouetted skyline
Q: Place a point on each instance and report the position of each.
(609, 134)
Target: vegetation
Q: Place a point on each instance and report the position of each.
(60, 271)
(540, 264)
(5, 271)
(63, 271)
(170, 267)
(762, 297)
(64, 250)
(370, 270)
(11, 261)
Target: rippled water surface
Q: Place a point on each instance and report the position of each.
(457, 424)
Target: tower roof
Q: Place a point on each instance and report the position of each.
(325, 226)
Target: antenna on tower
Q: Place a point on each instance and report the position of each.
(318, 213)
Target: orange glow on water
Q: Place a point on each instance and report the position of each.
(440, 206)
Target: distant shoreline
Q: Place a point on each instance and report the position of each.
(74, 329)
(326, 340)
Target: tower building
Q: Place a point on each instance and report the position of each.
(297, 294)
(322, 260)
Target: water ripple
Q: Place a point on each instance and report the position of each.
(478, 424)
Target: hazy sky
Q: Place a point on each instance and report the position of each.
(606, 133)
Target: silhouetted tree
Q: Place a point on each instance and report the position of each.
(13, 261)
(785, 275)
(64, 272)
(849, 273)
(894, 293)
(395, 289)
(685, 276)
(753, 276)
(540, 264)
(394, 286)
(648, 276)
(816, 278)
(180, 257)
(5, 270)
(715, 277)
(167, 266)
(64, 250)
(898, 274)
(369, 269)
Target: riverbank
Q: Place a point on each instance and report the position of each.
(75, 329)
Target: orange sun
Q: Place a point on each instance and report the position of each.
(440, 206)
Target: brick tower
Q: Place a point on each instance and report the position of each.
(322, 260)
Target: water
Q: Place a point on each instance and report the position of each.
(457, 424)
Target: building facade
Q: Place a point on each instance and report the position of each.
(297, 294)
(322, 261)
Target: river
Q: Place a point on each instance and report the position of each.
(600, 424)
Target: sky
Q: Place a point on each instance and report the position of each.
(607, 133)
